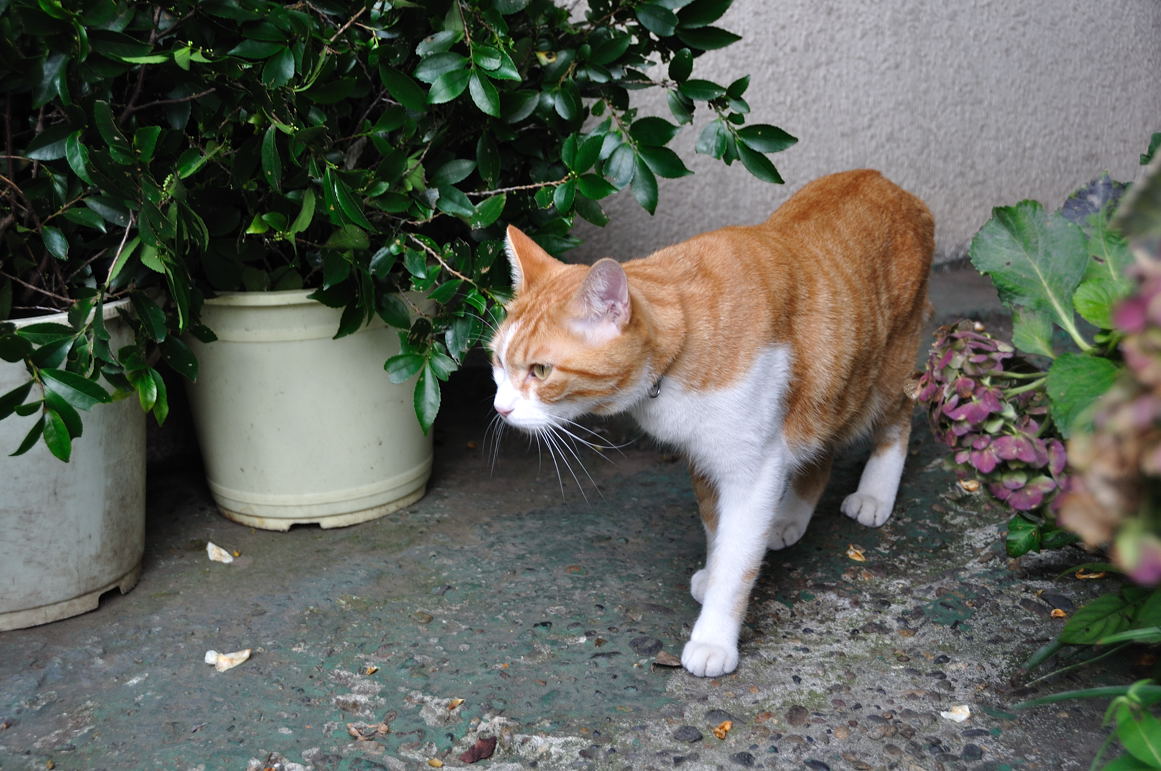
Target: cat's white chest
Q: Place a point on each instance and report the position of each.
(731, 424)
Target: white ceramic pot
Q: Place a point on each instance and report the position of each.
(296, 427)
(69, 532)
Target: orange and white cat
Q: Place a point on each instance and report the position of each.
(758, 351)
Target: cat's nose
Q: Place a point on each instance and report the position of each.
(504, 411)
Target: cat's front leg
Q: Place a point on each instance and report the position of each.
(746, 506)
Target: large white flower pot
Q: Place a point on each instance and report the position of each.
(69, 532)
(296, 427)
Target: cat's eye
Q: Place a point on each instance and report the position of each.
(540, 371)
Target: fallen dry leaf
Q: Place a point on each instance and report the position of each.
(224, 661)
(370, 669)
(958, 713)
(722, 730)
(481, 750)
(453, 704)
(435, 762)
(856, 553)
(666, 659)
(1085, 575)
(218, 554)
(1058, 613)
(969, 485)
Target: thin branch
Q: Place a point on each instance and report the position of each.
(159, 102)
(439, 258)
(350, 21)
(516, 188)
(37, 289)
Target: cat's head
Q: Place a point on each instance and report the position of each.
(573, 341)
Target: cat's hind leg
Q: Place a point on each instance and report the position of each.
(797, 505)
(872, 503)
(707, 507)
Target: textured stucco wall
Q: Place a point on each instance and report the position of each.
(969, 104)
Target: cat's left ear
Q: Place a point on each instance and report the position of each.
(602, 306)
(526, 259)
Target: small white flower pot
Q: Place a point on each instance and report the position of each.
(69, 532)
(296, 427)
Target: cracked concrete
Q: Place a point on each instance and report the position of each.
(544, 612)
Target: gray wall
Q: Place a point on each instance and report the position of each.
(969, 104)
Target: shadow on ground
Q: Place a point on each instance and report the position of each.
(500, 606)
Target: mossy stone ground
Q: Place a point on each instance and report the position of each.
(544, 612)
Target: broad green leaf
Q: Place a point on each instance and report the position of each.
(453, 201)
(657, 19)
(508, 7)
(1036, 260)
(345, 198)
(448, 86)
(256, 49)
(271, 160)
(77, 156)
(75, 389)
(594, 187)
(145, 387)
(151, 316)
(348, 238)
(563, 196)
(484, 94)
(1126, 762)
(86, 218)
(14, 398)
(55, 242)
(701, 90)
(488, 158)
(1023, 536)
(487, 58)
(404, 366)
(591, 211)
(644, 185)
(701, 13)
(1149, 614)
(445, 291)
(759, 165)
(1110, 257)
(653, 131)
(178, 356)
(107, 127)
(145, 141)
(1140, 734)
(453, 172)
(518, 105)
(436, 66)
(681, 65)
(620, 167)
(610, 49)
(1102, 617)
(427, 398)
(403, 89)
(161, 404)
(567, 101)
(587, 154)
(765, 138)
(56, 435)
(305, 213)
(707, 38)
(1075, 382)
(279, 69)
(54, 402)
(489, 210)
(439, 42)
(663, 161)
(393, 311)
(49, 145)
(1032, 332)
(1096, 299)
(31, 438)
(46, 332)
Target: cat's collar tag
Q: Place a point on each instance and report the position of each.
(655, 389)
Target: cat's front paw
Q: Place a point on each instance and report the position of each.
(866, 509)
(709, 659)
(783, 535)
(697, 584)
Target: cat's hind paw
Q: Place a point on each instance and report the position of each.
(783, 535)
(697, 584)
(866, 509)
(708, 659)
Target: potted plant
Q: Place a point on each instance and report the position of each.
(367, 157)
(81, 325)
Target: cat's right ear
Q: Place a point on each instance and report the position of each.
(526, 259)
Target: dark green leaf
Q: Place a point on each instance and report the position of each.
(611, 48)
(680, 105)
(518, 105)
(145, 142)
(657, 19)
(562, 197)
(14, 398)
(403, 89)
(348, 238)
(567, 101)
(765, 138)
(1075, 382)
(484, 95)
(75, 389)
(305, 213)
(594, 187)
(445, 291)
(707, 38)
(620, 166)
(56, 435)
(49, 145)
(653, 131)
(403, 367)
(31, 438)
(46, 332)
(427, 398)
(1140, 734)
(1095, 300)
(508, 7)
(256, 49)
(345, 198)
(453, 201)
(644, 185)
(701, 90)
(86, 218)
(487, 58)
(1023, 537)
(712, 140)
(591, 211)
(279, 69)
(448, 86)
(489, 210)
(161, 404)
(663, 161)
(77, 156)
(701, 13)
(178, 356)
(55, 242)
(54, 402)
(393, 311)
(271, 160)
(453, 172)
(587, 154)
(681, 65)
(488, 158)
(759, 165)
(1032, 332)
(438, 42)
(436, 66)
